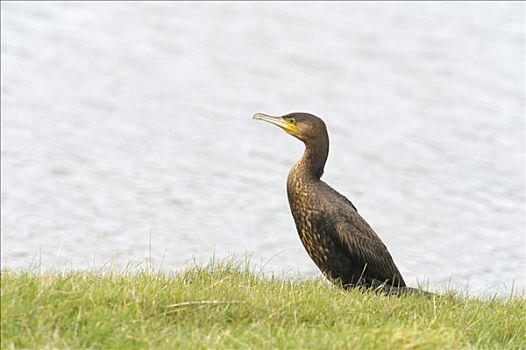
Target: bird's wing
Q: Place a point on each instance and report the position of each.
(365, 249)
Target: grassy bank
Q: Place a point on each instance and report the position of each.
(226, 307)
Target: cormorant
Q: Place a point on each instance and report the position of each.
(339, 241)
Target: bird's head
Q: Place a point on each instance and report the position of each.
(304, 126)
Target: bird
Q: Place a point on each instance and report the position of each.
(336, 237)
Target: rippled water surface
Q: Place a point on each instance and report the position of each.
(127, 132)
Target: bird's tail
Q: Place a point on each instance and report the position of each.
(411, 290)
(397, 290)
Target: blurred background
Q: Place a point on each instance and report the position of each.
(127, 133)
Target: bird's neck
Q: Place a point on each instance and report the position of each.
(313, 161)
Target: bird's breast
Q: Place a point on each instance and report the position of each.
(308, 210)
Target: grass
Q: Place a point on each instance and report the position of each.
(227, 307)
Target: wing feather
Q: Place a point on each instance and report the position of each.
(366, 249)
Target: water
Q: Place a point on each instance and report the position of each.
(127, 132)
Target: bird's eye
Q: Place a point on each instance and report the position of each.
(292, 120)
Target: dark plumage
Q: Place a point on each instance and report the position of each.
(341, 243)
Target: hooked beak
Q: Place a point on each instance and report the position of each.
(278, 121)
